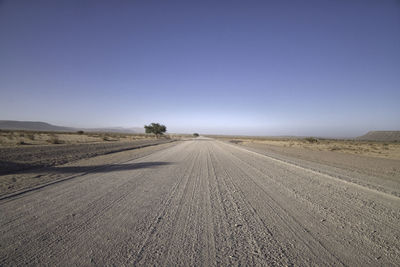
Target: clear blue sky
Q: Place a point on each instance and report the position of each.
(321, 68)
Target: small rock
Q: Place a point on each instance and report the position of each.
(323, 220)
(378, 258)
(238, 225)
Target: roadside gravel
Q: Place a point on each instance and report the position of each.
(375, 173)
(30, 167)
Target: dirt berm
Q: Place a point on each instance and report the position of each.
(14, 159)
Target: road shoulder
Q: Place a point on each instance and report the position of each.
(27, 180)
(374, 173)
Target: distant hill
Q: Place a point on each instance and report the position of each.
(33, 126)
(386, 136)
(116, 130)
(43, 126)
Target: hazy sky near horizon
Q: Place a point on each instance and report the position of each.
(321, 68)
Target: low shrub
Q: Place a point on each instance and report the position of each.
(335, 148)
(311, 139)
(54, 140)
(30, 136)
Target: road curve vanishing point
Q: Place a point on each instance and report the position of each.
(201, 202)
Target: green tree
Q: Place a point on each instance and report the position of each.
(196, 135)
(155, 128)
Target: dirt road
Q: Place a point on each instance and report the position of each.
(203, 202)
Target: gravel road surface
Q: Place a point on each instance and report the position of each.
(204, 202)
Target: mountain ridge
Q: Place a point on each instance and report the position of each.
(44, 126)
(385, 136)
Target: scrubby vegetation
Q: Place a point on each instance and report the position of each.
(21, 137)
(311, 139)
(351, 146)
(54, 140)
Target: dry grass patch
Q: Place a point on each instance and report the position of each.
(17, 138)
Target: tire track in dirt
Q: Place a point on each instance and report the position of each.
(243, 225)
(175, 193)
(283, 219)
(325, 175)
(392, 250)
(92, 211)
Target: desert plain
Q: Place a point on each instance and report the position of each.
(114, 199)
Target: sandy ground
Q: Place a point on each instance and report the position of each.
(205, 202)
(387, 150)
